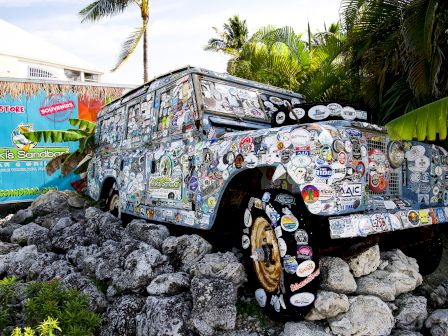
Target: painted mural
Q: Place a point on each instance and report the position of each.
(26, 107)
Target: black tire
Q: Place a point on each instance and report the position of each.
(277, 245)
(112, 202)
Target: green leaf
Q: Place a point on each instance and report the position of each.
(54, 136)
(130, 45)
(83, 125)
(425, 122)
(102, 8)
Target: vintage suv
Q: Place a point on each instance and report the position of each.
(291, 179)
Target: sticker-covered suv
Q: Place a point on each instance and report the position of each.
(291, 179)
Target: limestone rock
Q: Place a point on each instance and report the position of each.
(437, 322)
(439, 296)
(164, 316)
(49, 201)
(97, 299)
(220, 265)
(151, 234)
(58, 269)
(328, 305)
(412, 312)
(169, 284)
(21, 216)
(42, 261)
(303, 329)
(83, 258)
(400, 332)
(367, 315)
(20, 262)
(336, 276)
(7, 230)
(6, 248)
(213, 305)
(186, 250)
(23, 234)
(102, 226)
(119, 319)
(366, 262)
(74, 199)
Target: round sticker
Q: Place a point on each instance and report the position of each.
(348, 146)
(315, 207)
(300, 137)
(260, 296)
(289, 223)
(282, 247)
(280, 118)
(290, 264)
(245, 241)
(300, 161)
(239, 161)
(395, 154)
(338, 146)
(379, 171)
(348, 113)
(301, 237)
(438, 170)
(413, 218)
(310, 193)
(302, 299)
(335, 109)
(297, 113)
(342, 157)
(394, 222)
(318, 112)
(247, 218)
(305, 268)
(304, 252)
(251, 161)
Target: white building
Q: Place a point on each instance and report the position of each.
(24, 55)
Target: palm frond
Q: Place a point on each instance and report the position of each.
(55, 163)
(83, 125)
(102, 8)
(425, 122)
(130, 45)
(54, 135)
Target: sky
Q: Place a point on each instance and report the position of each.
(178, 29)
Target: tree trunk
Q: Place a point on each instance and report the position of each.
(145, 56)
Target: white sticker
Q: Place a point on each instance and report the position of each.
(275, 302)
(260, 296)
(339, 171)
(280, 118)
(421, 164)
(348, 113)
(251, 161)
(300, 137)
(315, 207)
(278, 231)
(325, 191)
(318, 112)
(300, 161)
(247, 218)
(325, 138)
(300, 112)
(282, 247)
(335, 109)
(394, 222)
(305, 268)
(415, 152)
(302, 299)
(245, 241)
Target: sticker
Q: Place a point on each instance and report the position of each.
(282, 301)
(338, 146)
(296, 173)
(348, 146)
(303, 283)
(335, 109)
(304, 252)
(395, 154)
(301, 237)
(300, 161)
(310, 194)
(339, 171)
(325, 153)
(325, 192)
(350, 190)
(297, 113)
(289, 223)
(438, 171)
(251, 161)
(247, 218)
(260, 296)
(415, 152)
(290, 264)
(305, 268)
(394, 221)
(364, 225)
(239, 161)
(285, 199)
(421, 164)
(324, 172)
(278, 231)
(275, 303)
(379, 223)
(415, 177)
(424, 217)
(245, 241)
(342, 157)
(266, 197)
(325, 137)
(413, 217)
(280, 118)
(300, 137)
(302, 299)
(315, 207)
(348, 113)
(194, 183)
(318, 112)
(360, 168)
(282, 247)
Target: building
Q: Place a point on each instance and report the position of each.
(24, 55)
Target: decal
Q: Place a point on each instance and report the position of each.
(302, 299)
(295, 287)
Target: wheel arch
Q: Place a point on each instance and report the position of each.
(106, 186)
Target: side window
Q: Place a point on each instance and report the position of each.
(175, 108)
(134, 121)
(140, 119)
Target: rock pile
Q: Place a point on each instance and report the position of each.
(146, 282)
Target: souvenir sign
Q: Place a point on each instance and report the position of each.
(318, 112)
(302, 299)
(305, 268)
(395, 154)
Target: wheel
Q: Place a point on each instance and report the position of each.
(113, 202)
(277, 245)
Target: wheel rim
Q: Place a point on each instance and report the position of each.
(113, 205)
(264, 245)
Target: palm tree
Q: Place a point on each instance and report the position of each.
(231, 39)
(106, 8)
(77, 160)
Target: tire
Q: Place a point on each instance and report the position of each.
(277, 246)
(112, 202)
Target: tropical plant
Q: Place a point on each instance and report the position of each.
(398, 49)
(47, 327)
(423, 123)
(77, 160)
(105, 8)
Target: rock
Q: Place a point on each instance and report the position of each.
(186, 250)
(367, 315)
(49, 202)
(5, 220)
(82, 257)
(439, 296)
(50, 219)
(328, 305)
(437, 322)
(303, 329)
(164, 316)
(169, 284)
(151, 234)
(119, 319)
(398, 277)
(58, 269)
(102, 226)
(336, 276)
(106, 261)
(23, 234)
(74, 199)
(213, 305)
(139, 268)
(6, 248)
(22, 216)
(399, 332)
(20, 262)
(42, 261)
(366, 262)
(97, 299)
(220, 265)
(67, 237)
(7, 230)
(412, 312)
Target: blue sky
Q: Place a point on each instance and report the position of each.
(178, 29)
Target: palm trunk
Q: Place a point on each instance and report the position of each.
(145, 56)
